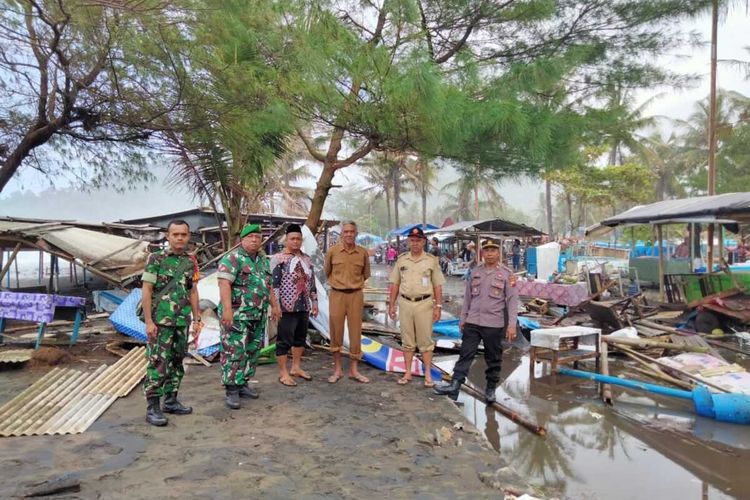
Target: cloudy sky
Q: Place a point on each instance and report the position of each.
(734, 41)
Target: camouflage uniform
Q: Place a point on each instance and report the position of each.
(171, 313)
(240, 346)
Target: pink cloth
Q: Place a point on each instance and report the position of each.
(564, 295)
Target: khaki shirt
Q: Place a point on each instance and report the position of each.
(347, 269)
(416, 276)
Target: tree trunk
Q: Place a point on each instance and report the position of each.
(388, 207)
(569, 204)
(424, 208)
(612, 155)
(319, 197)
(476, 202)
(32, 139)
(396, 196)
(548, 207)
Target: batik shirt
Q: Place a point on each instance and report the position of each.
(293, 280)
(250, 277)
(172, 308)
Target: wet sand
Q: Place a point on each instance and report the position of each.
(317, 440)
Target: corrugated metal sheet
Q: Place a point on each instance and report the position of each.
(15, 355)
(67, 401)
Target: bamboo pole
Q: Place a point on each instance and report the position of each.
(12, 257)
(727, 346)
(656, 371)
(501, 409)
(678, 370)
(656, 343)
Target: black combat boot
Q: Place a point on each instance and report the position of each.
(233, 397)
(489, 392)
(154, 416)
(171, 405)
(450, 390)
(248, 392)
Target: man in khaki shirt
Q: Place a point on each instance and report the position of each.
(347, 267)
(417, 282)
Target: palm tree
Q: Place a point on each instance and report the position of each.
(662, 157)
(623, 122)
(280, 180)
(390, 173)
(425, 175)
(476, 183)
(694, 147)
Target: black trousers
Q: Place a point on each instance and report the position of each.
(493, 351)
(292, 331)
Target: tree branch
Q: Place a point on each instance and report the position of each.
(308, 142)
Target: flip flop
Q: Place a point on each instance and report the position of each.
(302, 375)
(333, 379)
(429, 384)
(403, 381)
(293, 384)
(360, 378)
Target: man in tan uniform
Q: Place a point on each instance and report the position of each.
(417, 283)
(347, 267)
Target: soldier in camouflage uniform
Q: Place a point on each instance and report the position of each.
(169, 295)
(244, 284)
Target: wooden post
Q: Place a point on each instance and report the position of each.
(661, 262)
(710, 263)
(603, 354)
(721, 243)
(12, 257)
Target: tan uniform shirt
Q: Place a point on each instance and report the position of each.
(347, 269)
(416, 276)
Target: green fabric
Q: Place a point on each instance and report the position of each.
(171, 308)
(251, 281)
(240, 350)
(164, 370)
(250, 229)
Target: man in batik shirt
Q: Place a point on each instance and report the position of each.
(294, 284)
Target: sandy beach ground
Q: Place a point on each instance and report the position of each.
(317, 440)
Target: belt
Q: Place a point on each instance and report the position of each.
(416, 299)
(346, 290)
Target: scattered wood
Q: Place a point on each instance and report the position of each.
(503, 410)
(68, 482)
(674, 369)
(656, 343)
(652, 369)
(710, 298)
(721, 370)
(199, 358)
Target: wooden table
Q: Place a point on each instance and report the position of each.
(560, 345)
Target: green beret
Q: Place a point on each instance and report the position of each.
(249, 229)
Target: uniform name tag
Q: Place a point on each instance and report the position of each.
(425, 281)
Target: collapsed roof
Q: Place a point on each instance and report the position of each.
(114, 258)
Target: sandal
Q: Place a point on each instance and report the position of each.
(403, 381)
(429, 384)
(282, 382)
(333, 379)
(360, 378)
(301, 374)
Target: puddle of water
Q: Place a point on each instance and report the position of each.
(643, 447)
